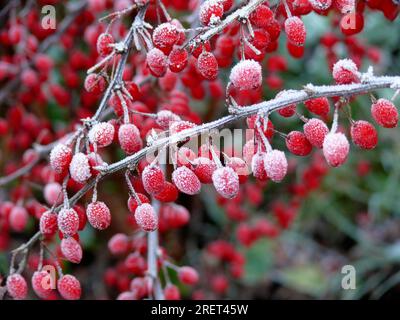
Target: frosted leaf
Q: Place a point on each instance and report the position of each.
(102, 134)
(336, 148)
(226, 182)
(276, 165)
(79, 168)
(246, 75)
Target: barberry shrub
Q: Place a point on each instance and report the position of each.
(138, 87)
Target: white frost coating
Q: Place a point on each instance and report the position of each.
(315, 131)
(68, 221)
(59, 157)
(53, 193)
(146, 218)
(71, 249)
(276, 165)
(165, 118)
(98, 215)
(226, 182)
(320, 4)
(246, 75)
(208, 10)
(102, 134)
(336, 148)
(79, 168)
(186, 181)
(343, 66)
(165, 35)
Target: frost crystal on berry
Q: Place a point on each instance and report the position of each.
(53, 193)
(276, 165)
(246, 75)
(79, 168)
(41, 284)
(129, 138)
(345, 71)
(335, 148)
(48, 223)
(207, 65)
(226, 182)
(157, 62)
(211, 12)
(203, 169)
(186, 181)
(153, 179)
(68, 221)
(60, 157)
(71, 250)
(364, 134)
(16, 286)
(385, 113)
(165, 118)
(98, 215)
(295, 30)
(258, 166)
(69, 287)
(165, 36)
(102, 134)
(146, 217)
(315, 131)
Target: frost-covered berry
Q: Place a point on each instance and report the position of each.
(79, 168)
(48, 223)
(118, 244)
(177, 59)
(295, 31)
(262, 16)
(203, 169)
(276, 165)
(297, 143)
(133, 204)
(318, 106)
(364, 134)
(95, 83)
(69, 287)
(186, 181)
(53, 193)
(153, 179)
(129, 138)
(68, 221)
(335, 148)
(211, 12)
(16, 286)
(60, 158)
(345, 71)
(385, 113)
(171, 292)
(165, 36)
(240, 167)
(103, 44)
(165, 118)
(146, 217)
(157, 62)
(289, 110)
(71, 250)
(168, 194)
(258, 166)
(207, 65)
(246, 75)
(321, 4)
(41, 284)
(102, 134)
(18, 218)
(226, 182)
(315, 131)
(98, 215)
(179, 126)
(188, 275)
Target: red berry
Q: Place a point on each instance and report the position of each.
(318, 106)
(129, 138)
(69, 287)
(352, 23)
(103, 44)
(288, 111)
(18, 218)
(168, 194)
(68, 221)
(335, 149)
(246, 75)
(262, 16)
(118, 244)
(41, 284)
(175, 215)
(211, 12)
(276, 165)
(258, 166)
(171, 292)
(240, 167)
(146, 217)
(207, 65)
(153, 179)
(53, 193)
(165, 36)
(295, 31)
(364, 134)
(133, 204)
(385, 113)
(297, 143)
(102, 134)
(71, 250)
(98, 215)
(157, 62)
(345, 71)
(17, 287)
(226, 182)
(188, 275)
(165, 118)
(179, 126)
(186, 181)
(177, 59)
(60, 158)
(315, 131)
(79, 168)
(48, 223)
(203, 169)
(95, 83)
